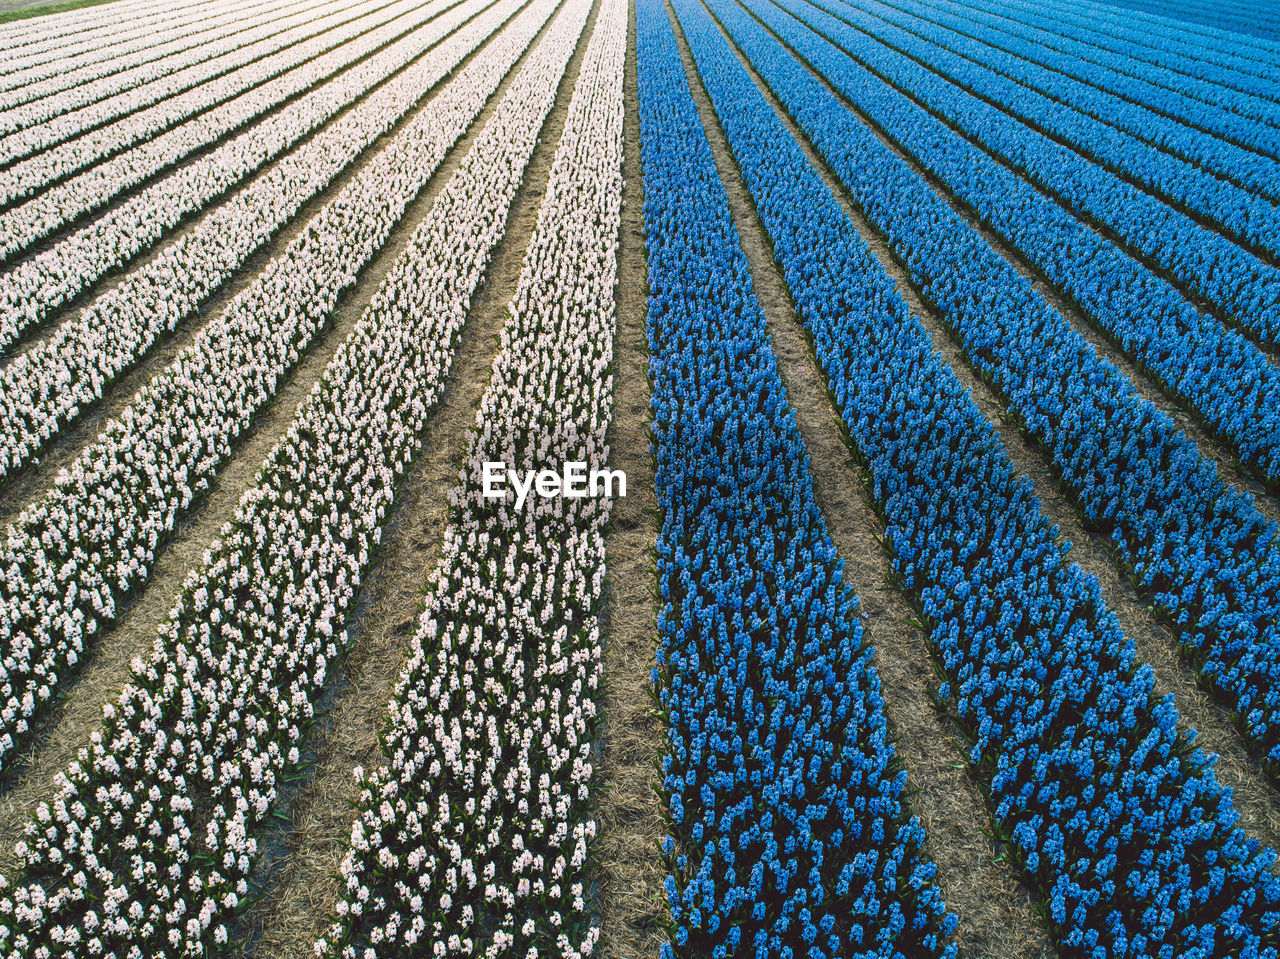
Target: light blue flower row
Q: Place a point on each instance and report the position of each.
(1117, 821)
(1240, 285)
(1249, 219)
(1253, 18)
(784, 803)
(1144, 65)
(1199, 547)
(1216, 372)
(1172, 127)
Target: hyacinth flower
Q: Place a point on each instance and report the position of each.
(1201, 549)
(788, 833)
(1037, 669)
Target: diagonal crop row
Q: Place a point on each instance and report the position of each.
(788, 829)
(1132, 89)
(1246, 51)
(1251, 220)
(1250, 21)
(35, 286)
(163, 52)
(1200, 548)
(1179, 46)
(472, 838)
(202, 117)
(1176, 46)
(49, 38)
(1117, 822)
(1239, 284)
(44, 122)
(1173, 78)
(62, 71)
(1216, 372)
(163, 811)
(1052, 76)
(1143, 68)
(74, 555)
(51, 385)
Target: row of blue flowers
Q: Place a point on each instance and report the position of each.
(1200, 548)
(1134, 58)
(1116, 819)
(1240, 286)
(1217, 373)
(789, 837)
(1251, 219)
(1170, 120)
(1251, 18)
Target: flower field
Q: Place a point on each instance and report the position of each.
(936, 612)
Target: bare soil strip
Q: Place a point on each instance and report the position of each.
(995, 909)
(44, 187)
(46, 327)
(1256, 799)
(38, 478)
(301, 862)
(628, 874)
(106, 665)
(1209, 446)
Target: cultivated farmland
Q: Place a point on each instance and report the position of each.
(640, 478)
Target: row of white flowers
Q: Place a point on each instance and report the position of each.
(237, 39)
(69, 559)
(38, 284)
(472, 839)
(215, 720)
(54, 36)
(50, 385)
(24, 60)
(228, 102)
(143, 59)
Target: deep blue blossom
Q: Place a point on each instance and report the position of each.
(1198, 547)
(1115, 818)
(782, 795)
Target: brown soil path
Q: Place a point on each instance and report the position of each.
(1257, 799)
(995, 909)
(629, 870)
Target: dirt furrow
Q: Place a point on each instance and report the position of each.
(297, 877)
(106, 665)
(628, 875)
(995, 909)
(1257, 800)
